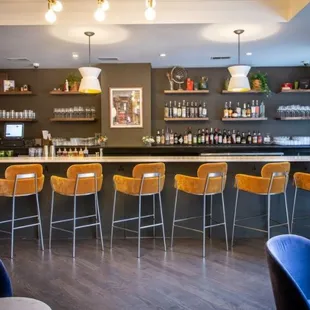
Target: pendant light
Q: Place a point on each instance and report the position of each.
(90, 83)
(239, 81)
(150, 13)
(53, 6)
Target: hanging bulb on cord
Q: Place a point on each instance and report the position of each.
(99, 15)
(105, 5)
(50, 16)
(150, 3)
(150, 14)
(57, 6)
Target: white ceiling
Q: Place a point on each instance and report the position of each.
(270, 35)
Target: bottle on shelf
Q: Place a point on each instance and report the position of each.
(243, 138)
(189, 136)
(244, 111)
(175, 110)
(228, 137)
(185, 137)
(211, 136)
(167, 137)
(225, 110)
(200, 110)
(196, 110)
(253, 109)
(238, 137)
(192, 110)
(179, 114)
(181, 139)
(220, 137)
(230, 110)
(171, 137)
(59, 152)
(203, 137)
(259, 138)
(188, 109)
(85, 152)
(183, 109)
(170, 109)
(166, 110)
(216, 136)
(81, 153)
(195, 139)
(207, 136)
(254, 138)
(224, 137)
(257, 109)
(233, 137)
(199, 137)
(262, 109)
(248, 111)
(158, 137)
(162, 137)
(204, 110)
(176, 138)
(238, 110)
(249, 138)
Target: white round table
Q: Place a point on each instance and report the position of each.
(21, 303)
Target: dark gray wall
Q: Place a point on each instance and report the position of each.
(216, 101)
(126, 75)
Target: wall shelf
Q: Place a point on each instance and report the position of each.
(183, 119)
(245, 119)
(295, 91)
(174, 92)
(91, 119)
(242, 92)
(68, 93)
(298, 118)
(16, 93)
(20, 120)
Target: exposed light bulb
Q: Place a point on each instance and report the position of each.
(57, 6)
(150, 3)
(105, 5)
(99, 15)
(150, 14)
(50, 16)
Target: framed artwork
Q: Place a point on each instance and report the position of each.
(126, 107)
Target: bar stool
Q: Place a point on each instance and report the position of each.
(21, 181)
(82, 180)
(302, 182)
(146, 180)
(210, 181)
(273, 181)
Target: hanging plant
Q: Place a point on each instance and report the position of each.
(259, 82)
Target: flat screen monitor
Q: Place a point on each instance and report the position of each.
(14, 131)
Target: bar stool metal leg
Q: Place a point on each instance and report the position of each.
(204, 228)
(234, 222)
(12, 227)
(268, 220)
(154, 216)
(74, 225)
(162, 221)
(139, 227)
(98, 219)
(40, 223)
(224, 217)
(174, 214)
(211, 214)
(113, 216)
(287, 216)
(51, 220)
(294, 204)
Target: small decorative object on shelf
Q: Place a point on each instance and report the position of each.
(102, 140)
(178, 76)
(170, 80)
(189, 84)
(203, 84)
(255, 111)
(293, 112)
(259, 83)
(148, 140)
(185, 110)
(74, 81)
(26, 115)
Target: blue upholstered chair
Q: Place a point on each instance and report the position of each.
(288, 259)
(5, 282)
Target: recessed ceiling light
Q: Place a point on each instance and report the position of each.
(75, 55)
(249, 54)
(162, 55)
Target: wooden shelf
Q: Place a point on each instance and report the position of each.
(16, 93)
(91, 119)
(296, 91)
(20, 120)
(242, 92)
(299, 118)
(68, 93)
(183, 119)
(245, 119)
(174, 92)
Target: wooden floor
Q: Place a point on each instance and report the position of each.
(178, 279)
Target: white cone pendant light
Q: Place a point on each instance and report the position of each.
(90, 83)
(239, 81)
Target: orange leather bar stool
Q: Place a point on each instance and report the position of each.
(302, 182)
(82, 180)
(210, 181)
(146, 180)
(21, 181)
(273, 181)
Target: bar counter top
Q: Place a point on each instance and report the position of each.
(148, 159)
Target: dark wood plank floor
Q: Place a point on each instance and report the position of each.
(179, 279)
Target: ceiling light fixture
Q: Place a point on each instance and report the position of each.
(75, 55)
(90, 83)
(162, 55)
(239, 81)
(150, 13)
(249, 54)
(53, 6)
(103, 6)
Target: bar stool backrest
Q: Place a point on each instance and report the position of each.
(215, 176)
(278, 173)
(23, 180)
(302, 180)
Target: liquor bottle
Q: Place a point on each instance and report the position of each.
(181, 139)
(238, 110)
(228, 137)
(195, 139)
(158, 137)
(220, 139)
(230, 110)
(171, 138)
(65, 153)
(167, 137)
(211, 136)
(216, 137)
(196, 110)
(259, 138)
(253, 113)
(238, 138)
(189, 136)
(207, 136)
(254, 138)
(262, 109)
(176, 139)
(203, 137)
(59, 152)
(85, 152)
(200, 110)
(183, 109)
(162, 137)
(81, 153)
(188, 110)
(243, 138)
(244, 111)
(224, 137)
(170, 109)
(179, 110)
(248, 111)
(185, 137)
(192, 110)
(175, 109)
(204, 110)
(75, 153)
(166, 110)
(249, 138)
(199, 137)
(256, 109)
(233, 137)
(226, 110)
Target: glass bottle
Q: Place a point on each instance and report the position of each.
(179, 110)
(259, 138)
(249, 138)
(162, 137)
(176, 139)
(166, 110)
(158, 137)
(216, 136)
(181, 139)
(254, 138)
(185, 137)
(200, 114)
(167, 137)
(196, 110)
(189, 136)
(211, 136)
(224, 137)
(228, 137)
(262, 109)
(225, 110)
(238, 110)
(248, 111)
(238, 138)
(199, 137)
(183, 109)
(203, 137)
(192, 110)
(171, 137)
(170, 109)
(195, 139)
(244, 111)
(253, 109)
(230, 110)
(220, 137)
(175, 110)
(233, 137)
(243, 138)
(207, 136)
(204, 110)
(188, 110)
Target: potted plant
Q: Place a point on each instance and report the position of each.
(148, 140)
(259, 82)
(102, 140)
(74, 81)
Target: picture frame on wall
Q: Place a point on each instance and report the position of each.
(126, 107)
